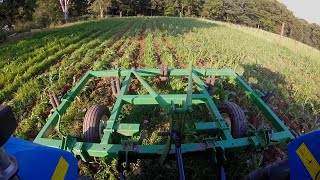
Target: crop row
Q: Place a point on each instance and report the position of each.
(265, 64)
(29, 48)
(21, 65)
(43, 65)
(129, 51)
(45, 52)
(67, 72)
(111, 57)
(166, 56)
(62, 68)
(149, 55)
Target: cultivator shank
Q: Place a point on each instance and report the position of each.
(216, 136)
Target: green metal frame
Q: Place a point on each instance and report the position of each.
(222, 137)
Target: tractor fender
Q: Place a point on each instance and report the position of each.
(41, 162)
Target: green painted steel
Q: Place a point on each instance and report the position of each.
(127, 129)
(215, 134)
(208, 128)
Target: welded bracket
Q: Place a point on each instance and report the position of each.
(128, 156)
(168, 144)
(218, 153)
(265, 96)
(83, 154)
(115, 86)
(262, 140)
(67, 142)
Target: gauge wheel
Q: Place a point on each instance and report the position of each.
(94, 123)
(235, 119)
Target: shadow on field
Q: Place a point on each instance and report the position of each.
(241, 163)
(180, 26)
(170, 26)
(284, 103)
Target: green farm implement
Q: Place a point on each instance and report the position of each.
(225, 131)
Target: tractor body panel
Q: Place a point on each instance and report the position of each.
(304, 156)
(40, 162)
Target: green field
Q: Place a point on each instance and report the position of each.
(53, 61)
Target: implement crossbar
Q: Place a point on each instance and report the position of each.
(222, 135)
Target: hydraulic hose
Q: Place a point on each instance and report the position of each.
(180, 163)
(177, 141)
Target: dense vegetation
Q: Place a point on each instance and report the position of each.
(54, 61)
(266, 14)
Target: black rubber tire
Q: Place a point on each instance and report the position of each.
(237, 118)
(91, 131)
(279, 170)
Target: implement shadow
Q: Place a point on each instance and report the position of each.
(294, 113)
(285, 104)
(179, 26)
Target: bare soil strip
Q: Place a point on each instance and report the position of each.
(137, 60)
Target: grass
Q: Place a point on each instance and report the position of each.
(54, 61)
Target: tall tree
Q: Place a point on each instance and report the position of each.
(124, 6)
(78, 7)
(46, 12)
(65, 8)
(213, 9)
(156, 6)
(170, 8)
(190, 7)
(100, 7)
(8, 12)
(186, 4)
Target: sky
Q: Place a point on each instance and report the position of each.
(305, 9)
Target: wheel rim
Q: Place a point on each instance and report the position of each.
(102, 125)
(227, 118)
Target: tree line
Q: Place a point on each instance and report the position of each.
(268, 15)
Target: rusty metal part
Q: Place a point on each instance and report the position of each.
(115, 86)
(54, 100)
(209, 84)
(163, 72)
(267, 96)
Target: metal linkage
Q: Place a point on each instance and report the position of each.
(115, 86)
(128, 156)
